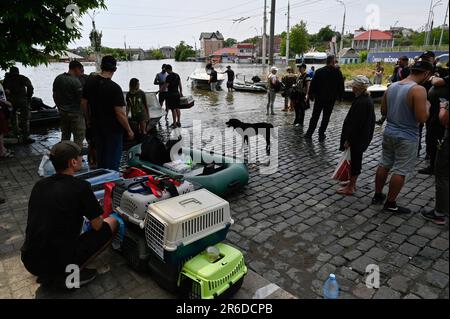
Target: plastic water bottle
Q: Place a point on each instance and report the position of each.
(331, 288)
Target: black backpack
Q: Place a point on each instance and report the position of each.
(154, 151)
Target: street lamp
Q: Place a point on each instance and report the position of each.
(343, 28)
(430, 21)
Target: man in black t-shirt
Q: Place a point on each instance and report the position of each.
(174, 94)
(57, 205)
(213, 80)
(230, 81)
(108, 117)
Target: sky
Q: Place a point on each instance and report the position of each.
(150, 24)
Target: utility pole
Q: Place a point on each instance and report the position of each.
(341, 46)
(428, 24)
(442, 27)
(288, 33)
(264, 37)
(272, 31)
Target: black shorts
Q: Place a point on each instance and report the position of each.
(52, 263)
(162, 96)
(173, 101)
(230, 84)
(92, 242)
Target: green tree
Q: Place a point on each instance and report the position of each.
(325, 34)
(229, 42)
(31, 29)
(183, 52)
(363, 56)
(157, 54)
(299, 38)
(419, 39)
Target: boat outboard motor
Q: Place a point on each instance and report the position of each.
(37, 104)
(256, 79)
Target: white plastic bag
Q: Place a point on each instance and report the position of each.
(46, 167)
(342, 172)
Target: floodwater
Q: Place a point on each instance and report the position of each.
(208, 105)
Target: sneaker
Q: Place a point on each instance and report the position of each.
(378, 199)
(393, 208)
(87, 275)
(432, 217)
(427, 171)
(272, 113)
(178, 124)
(173, 125)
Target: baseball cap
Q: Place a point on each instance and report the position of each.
(422, 66)
(228, 67)
(63, 152)
(109, 63)
(274, 68)
(427, 54)
(361, 80)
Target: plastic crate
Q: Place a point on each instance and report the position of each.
(183, 226)
(97, 178)
(133, 206)
(201, 278)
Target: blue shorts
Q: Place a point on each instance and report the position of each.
(399, 155)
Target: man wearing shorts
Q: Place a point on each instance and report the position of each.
(174, 94)
(405, 105)
(55, 217)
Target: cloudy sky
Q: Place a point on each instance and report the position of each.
(151, 24)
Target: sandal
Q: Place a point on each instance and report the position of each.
(345, 191)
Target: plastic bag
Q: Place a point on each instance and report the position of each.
(46, 167)
(342, 172)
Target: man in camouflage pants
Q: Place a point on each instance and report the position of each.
(19, 91)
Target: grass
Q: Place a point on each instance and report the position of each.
(351, 70)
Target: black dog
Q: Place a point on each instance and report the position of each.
(252, 129)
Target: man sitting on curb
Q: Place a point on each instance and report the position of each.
(55, 218)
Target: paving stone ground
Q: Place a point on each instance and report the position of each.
(291, 225)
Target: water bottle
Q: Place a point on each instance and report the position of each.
(331, 288)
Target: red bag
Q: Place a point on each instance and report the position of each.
(342, 172)
(107, 201)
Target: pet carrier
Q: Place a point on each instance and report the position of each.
(183, 226)
(220, 277)
(97, 178)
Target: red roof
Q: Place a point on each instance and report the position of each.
(226, 51)
(245, 46)
(374, 35)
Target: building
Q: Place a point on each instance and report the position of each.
(210, 42)
(401, 32)
(348, 56)
(245, 50)
(225, 55)
(136, 54)
(373, 39)
(168, 52)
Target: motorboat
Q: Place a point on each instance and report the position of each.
(376, 92)
(249, 87)
(42, 114)
(200, 79)
(155, 111)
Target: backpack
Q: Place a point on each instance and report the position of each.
(154, 151)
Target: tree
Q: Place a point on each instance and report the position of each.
(299, 38)
(229, 42)
(183, 52)
(32, 29)
(157, 55)
(325, 34)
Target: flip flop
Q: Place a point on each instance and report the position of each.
(344, 191)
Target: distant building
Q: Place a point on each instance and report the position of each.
(168, 52)
(210, 43)
(348, 56)
(136, 54)
(245, 50)
(401, 31)
(375, 39)
(225, 55)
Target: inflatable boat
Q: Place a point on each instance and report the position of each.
(219, 174)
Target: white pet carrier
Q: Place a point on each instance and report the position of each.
(133, 206)
(186, 221)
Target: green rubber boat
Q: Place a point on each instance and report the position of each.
(222, 178)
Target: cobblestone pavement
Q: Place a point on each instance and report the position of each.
(292, 226)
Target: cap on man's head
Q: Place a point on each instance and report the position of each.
(274, 68)
(62, 153)
(361, 81)
(109, 63)
(14, 70)
(423, 66)
(228, 67)
(427, 54)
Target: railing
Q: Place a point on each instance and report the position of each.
(411, 48)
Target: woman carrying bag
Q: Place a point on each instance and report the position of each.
(357, 131)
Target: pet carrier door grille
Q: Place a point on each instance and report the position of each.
(201, 223)
(155, 232)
